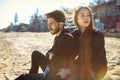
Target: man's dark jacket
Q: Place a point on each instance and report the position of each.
(64, 50)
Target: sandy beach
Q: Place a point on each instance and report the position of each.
(16, 49)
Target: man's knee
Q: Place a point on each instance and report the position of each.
(36, 54)
(30, 77)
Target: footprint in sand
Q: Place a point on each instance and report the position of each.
(2, 65)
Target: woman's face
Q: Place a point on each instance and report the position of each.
(84, 18)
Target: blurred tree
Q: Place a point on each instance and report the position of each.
(15, 18)
(35, 16)
(31, 19)
(100, 1)
(65, 9)
(37, 12)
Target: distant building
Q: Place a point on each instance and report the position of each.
(23, 27)
(108, 13)
(38, 25)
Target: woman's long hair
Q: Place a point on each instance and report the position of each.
(84, 48)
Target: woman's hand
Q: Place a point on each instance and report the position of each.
(63, 73)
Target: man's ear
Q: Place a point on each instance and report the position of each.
(61, 23)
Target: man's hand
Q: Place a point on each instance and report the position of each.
(50, 55)
(63, 73)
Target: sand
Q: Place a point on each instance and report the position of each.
(16, 49)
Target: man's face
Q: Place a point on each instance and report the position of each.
(53, 26)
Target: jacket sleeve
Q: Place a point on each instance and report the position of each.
(99, 56)
(66, 51)
(49, 51)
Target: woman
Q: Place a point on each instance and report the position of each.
(91, 63)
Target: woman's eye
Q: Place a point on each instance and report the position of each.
(82, 16)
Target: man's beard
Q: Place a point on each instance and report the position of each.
(55, 31)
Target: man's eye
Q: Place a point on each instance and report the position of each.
(88, 15)
(82, 15)
(49, 23)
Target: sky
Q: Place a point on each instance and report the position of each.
(26, 8)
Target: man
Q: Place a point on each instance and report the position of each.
(61, 55)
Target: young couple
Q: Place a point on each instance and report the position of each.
(79, 55)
